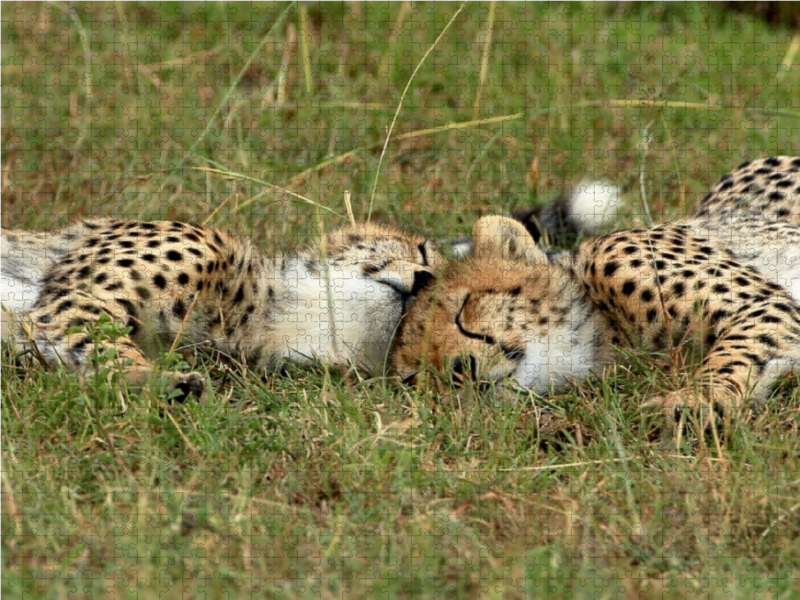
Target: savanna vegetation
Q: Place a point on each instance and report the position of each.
(323, 484)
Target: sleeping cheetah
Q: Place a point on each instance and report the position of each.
(165, 278)
(727, 278)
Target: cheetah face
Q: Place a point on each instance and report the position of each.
(471, 323)
(505, 313)
(370, 278)
(405, 263)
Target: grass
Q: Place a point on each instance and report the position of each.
(316, 485)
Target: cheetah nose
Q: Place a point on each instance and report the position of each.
(421, 281)
(459, 372)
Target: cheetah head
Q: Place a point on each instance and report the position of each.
(474, 320)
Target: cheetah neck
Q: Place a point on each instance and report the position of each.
(571, 345)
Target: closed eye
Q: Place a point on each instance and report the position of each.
(512, 353)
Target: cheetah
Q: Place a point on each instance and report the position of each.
(167, 278)
(726, 280)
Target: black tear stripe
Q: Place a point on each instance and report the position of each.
(484, 337)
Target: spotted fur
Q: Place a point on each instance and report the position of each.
(165, 278)
(727, 279)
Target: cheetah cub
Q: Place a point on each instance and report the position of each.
(727, 279)
(167, 278)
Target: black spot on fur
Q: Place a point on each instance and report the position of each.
(610, 268)
(160, 282)
(125, 262)
(66, 305)
(78, 346)
(129, 307)
(239, 295)
(628, 287)
(183, 279)
(174, 256)
(718, 315)
(179, 309)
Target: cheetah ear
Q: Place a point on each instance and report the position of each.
(507, 238)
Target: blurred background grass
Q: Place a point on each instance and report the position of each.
(105, 107)
(316, 486)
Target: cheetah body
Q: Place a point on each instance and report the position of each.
(167, 278)
(726, 279)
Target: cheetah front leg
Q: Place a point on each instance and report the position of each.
(742, 365)
(78, 352)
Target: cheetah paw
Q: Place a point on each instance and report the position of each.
(686, 407)
(189, 384)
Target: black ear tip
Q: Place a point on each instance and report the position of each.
(421, 281)
(529, 217)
